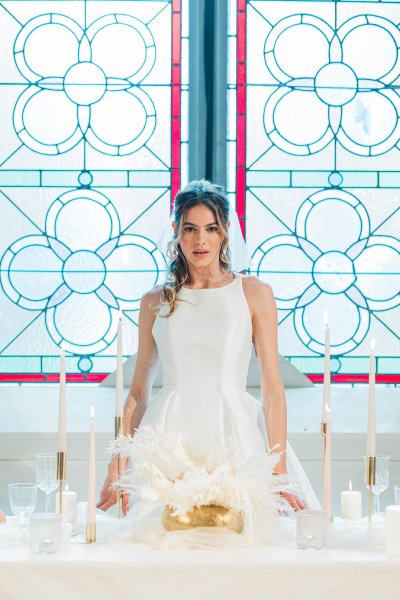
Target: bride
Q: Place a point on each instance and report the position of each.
(201, 324)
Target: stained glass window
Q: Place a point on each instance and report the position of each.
(93, 121)
(313, 157)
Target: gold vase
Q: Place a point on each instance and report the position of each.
(203, 516)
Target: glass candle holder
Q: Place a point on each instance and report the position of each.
(45, 532)
(312, 529)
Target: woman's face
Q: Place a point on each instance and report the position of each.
(201, 237)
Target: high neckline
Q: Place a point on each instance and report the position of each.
(222, 287)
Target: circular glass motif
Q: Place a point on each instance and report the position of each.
(85, 83)
(336, 84)
(85, 364)
(333, 272)
(84, 272)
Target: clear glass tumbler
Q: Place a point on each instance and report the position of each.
(45, 532)
(22, 498)
(312, 529)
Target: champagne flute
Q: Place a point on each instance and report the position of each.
(22, 498)
(46, 474)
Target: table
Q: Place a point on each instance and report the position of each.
(107, 571)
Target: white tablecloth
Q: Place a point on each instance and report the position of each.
(358, 571)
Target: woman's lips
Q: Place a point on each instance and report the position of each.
(200, 252)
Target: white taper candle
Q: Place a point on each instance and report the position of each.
(371, 435)
(326, 401)
(91, 508)
(327, 499)
(62, 410)
(119, 388)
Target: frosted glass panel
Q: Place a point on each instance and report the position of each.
(90, 155)
(317, 149)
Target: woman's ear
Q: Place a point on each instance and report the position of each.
(228, 224)
(174, 226)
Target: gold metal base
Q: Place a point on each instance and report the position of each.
(324, 428)
(91, 533)
(119, 426)
(203, 516)
(61, 466)
(370, 469)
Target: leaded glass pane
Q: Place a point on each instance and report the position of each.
(94, 100)
(313, 141)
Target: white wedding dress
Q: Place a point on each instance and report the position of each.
(205, 348)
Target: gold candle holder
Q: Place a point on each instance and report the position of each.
(61, 476)
(119, 430)
(90, 533)
(370, 472)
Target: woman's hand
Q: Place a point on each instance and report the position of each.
(294, 501)
(108, 493)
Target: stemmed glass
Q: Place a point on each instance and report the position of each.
(22, 499)
(381, 478)
(46, 474)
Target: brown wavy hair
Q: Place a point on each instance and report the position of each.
(196, 192)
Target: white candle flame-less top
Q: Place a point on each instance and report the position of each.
(350, 504)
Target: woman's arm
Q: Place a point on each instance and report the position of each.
(139, 393)
(265, 337)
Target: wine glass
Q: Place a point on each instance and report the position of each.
(46, 474)
(381, 478)
(22, 498)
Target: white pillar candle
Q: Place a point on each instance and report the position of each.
(326, 401)
(119, 388)
(371, 435)
(327, 488)
(62, 412)
(69, 502)
(350, 504)
(393, 530)
(91, 508)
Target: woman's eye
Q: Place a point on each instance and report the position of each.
(189, 229)
(213, 228)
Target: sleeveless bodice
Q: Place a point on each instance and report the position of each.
(206, 342)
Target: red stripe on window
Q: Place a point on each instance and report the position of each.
(176, 38)
(241, 37)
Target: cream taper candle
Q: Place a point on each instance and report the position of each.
(326, 400)
(119, 387)
(327, 486)
(350, 504)
(91, 508)
(371, 435)
(62, 410)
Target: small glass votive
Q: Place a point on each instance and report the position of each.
(312, 529)
(397, 493)
(45, 532)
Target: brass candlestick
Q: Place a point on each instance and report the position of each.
(370, 472)
(61, 475)
(90, 533)
(119, 430)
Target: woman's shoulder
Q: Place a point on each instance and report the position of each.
(151, 299)
(256, 288)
